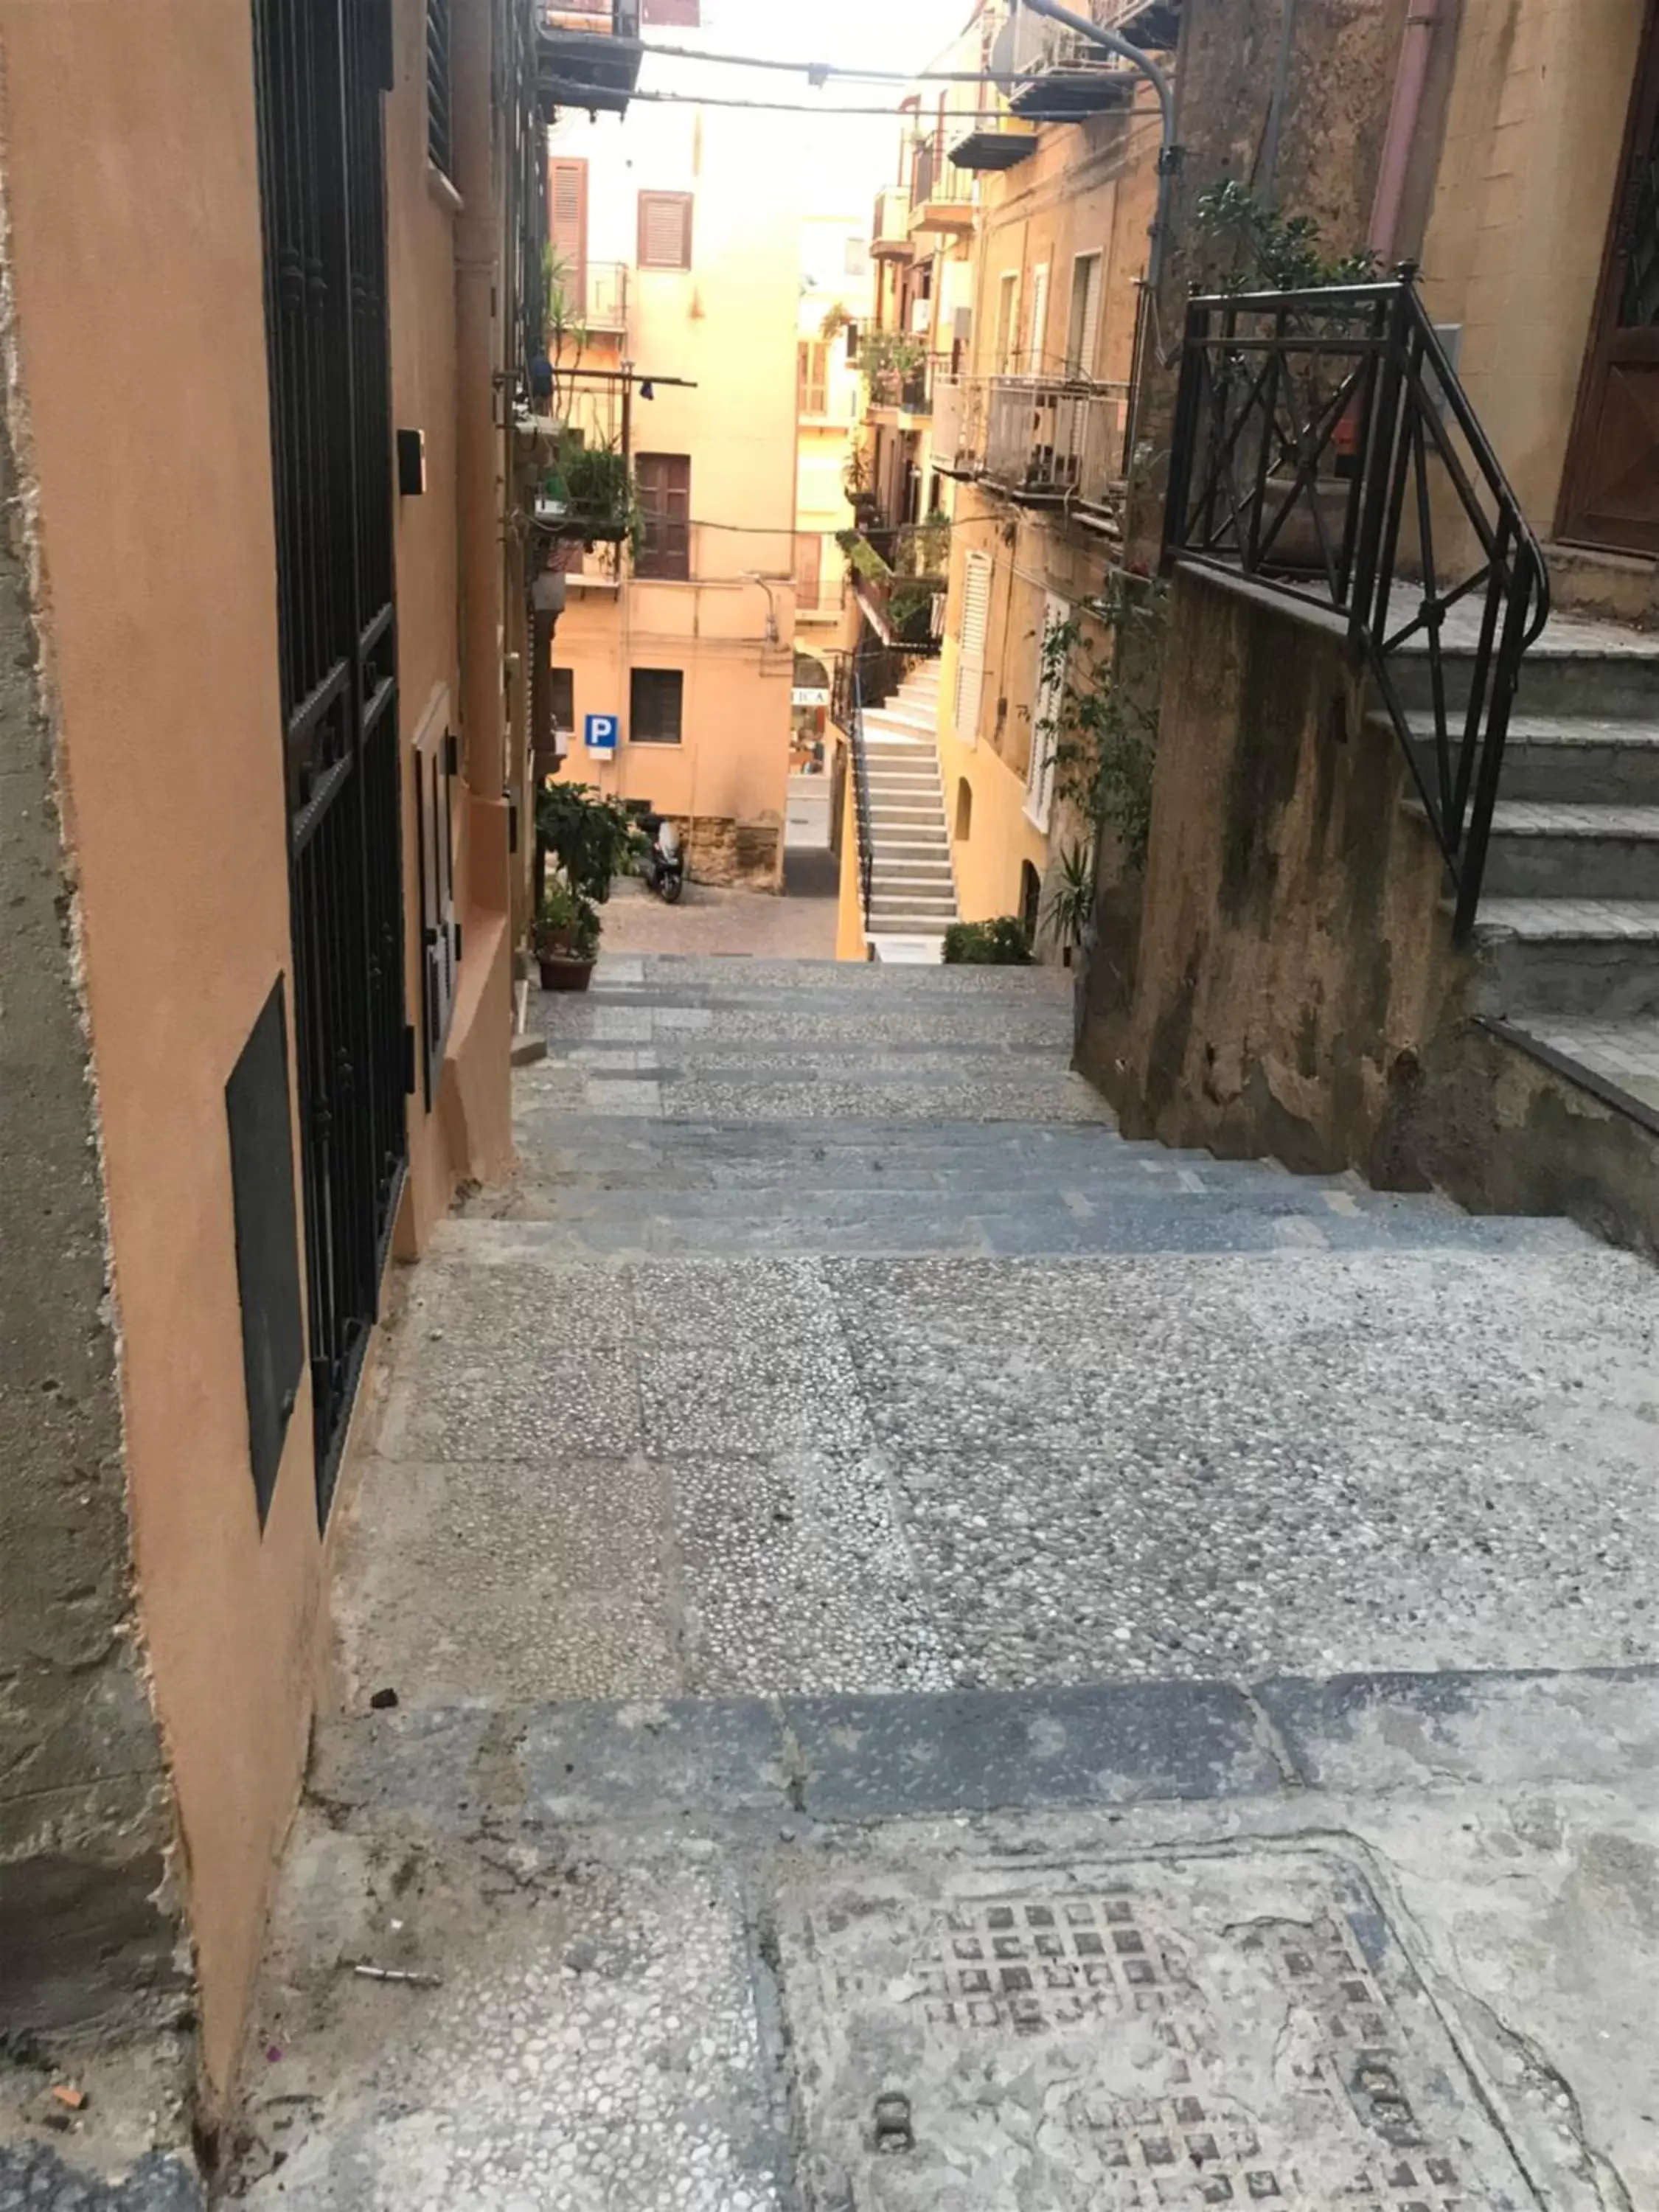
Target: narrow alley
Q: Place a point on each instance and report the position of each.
(864, 1576)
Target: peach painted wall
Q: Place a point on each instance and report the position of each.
(1528, 173)
(728, 325)
(137, 267)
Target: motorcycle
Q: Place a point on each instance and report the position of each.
(664, 863)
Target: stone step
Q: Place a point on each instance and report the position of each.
(1593, 958)
(1615, 680)
(1573, 758)
(1214, 1226)
(1548, 850)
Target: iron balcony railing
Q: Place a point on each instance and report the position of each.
(906, 386)
(1323, 445)
(605, 302)
(1053, 441)
(936, 182)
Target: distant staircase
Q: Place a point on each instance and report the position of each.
(913, 895)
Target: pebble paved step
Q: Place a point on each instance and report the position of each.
(774, 1573)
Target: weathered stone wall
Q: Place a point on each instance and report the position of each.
(719, 851)
(1344, 57)
(85, 1817)
(1283, 984)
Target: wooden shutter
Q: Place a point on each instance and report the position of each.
(970, 660)
(1087, 277)
(1036, 358)
(809, 566)
(664, 488)
(665, 230)
(813, 377)
(567, 200)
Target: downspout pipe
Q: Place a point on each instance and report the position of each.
(1168, 159)
(1423, 19)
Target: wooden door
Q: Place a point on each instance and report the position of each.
(1611, 494)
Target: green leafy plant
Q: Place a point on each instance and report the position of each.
(1104, 733)
(1000, 943)
(590, 840)
(567, 927)
(862, 557)
(836, 320)
(1071, 898)
(887, 359)
(1265, 251)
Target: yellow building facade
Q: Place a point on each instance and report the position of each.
(674, 663)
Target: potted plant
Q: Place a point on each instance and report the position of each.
(1071, 900)
(588, 838)
(566, 938)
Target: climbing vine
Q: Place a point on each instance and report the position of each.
(1104, 733)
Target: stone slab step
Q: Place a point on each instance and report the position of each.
(1544, 849)
(1616, 677)
(1593, 958)
(1574, 758)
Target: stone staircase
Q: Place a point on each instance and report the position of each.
(913, 894)
(1568, 929)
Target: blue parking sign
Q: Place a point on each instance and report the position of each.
(600, 735)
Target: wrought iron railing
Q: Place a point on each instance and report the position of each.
(847, 711)
(1323, 445)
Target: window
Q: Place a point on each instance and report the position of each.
(664, 544)
(564, 699)
(665, 230)
(1030, 900)
(439, 150)
(656, 706)
(1083, 334)
(964, 821)
(814, 376)
(858, 257)
(681, 15)
(568, 205)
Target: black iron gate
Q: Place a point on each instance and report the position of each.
(321, 67)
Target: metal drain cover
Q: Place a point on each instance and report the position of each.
(1146, 2036)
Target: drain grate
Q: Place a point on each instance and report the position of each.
(1166, 2037)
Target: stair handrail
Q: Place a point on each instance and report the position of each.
(1276, 385)
(848, 711)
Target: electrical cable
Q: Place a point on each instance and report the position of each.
(567, 94)
(819, 71)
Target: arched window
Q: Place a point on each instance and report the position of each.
(964, 810)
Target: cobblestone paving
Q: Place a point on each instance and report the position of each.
(841, 1493)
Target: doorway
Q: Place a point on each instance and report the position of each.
(1610, 495)
(322, 69)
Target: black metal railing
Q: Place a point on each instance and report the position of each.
(846, 712)
(1324, 446)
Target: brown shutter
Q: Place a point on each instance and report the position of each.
(665, 490)
(809, 566)
(567, 198)
(665, 230)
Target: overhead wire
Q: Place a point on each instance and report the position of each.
(572, 95)
(820, 71)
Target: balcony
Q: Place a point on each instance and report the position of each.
(900, 377)
(900, 574)
(994, 146)
(1062, 77)
(1043, 442)
(941, 196)
(1152, 25)
(588, 54)
(890, 234)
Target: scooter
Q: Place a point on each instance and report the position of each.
(663, 865)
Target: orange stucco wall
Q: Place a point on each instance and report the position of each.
(143, 428)
(141, 330)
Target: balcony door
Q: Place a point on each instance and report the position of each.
(1611, 495)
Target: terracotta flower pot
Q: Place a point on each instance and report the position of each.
(564, 971)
